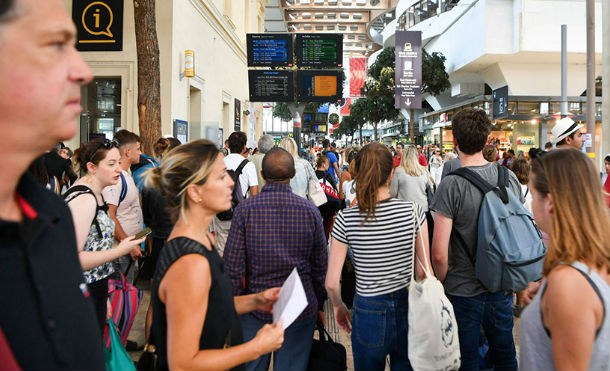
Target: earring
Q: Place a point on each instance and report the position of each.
(89, 179)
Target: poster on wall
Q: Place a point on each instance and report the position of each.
(500, 102)
(408, 75)
(237, 126)
(99, 24)
(181, 129)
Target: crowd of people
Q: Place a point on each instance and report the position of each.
(228, 229)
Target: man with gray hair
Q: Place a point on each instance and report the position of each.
(265, 143)
(47, 318)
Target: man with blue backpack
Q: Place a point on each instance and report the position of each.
(486, 245)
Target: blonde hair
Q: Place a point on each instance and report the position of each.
(581, 223)
(289, 145)
(410, 162)
(187, 164)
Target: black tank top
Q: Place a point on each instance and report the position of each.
(222, 327)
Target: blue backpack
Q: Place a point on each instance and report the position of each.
(510, 252)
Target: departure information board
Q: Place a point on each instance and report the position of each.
(271, 86)
(319, 85)
(319, 50)
(269, 50)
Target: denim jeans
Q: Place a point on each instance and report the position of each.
(294, 353)
(379, 327)
(492, 312)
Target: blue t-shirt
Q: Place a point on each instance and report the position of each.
(332, 159)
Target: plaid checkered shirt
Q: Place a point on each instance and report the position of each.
(271, 233)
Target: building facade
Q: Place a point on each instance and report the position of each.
(211, 104)
(490, 44)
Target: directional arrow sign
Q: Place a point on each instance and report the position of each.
(408, 69)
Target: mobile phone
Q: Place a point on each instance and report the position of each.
(143, 233)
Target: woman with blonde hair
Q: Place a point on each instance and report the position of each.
(567, 324)
(195, 317)
(304, 172)
(411, 179)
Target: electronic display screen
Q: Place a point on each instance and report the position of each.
(269, 50)
(320, 128)
(271, 86)
(319, 85)
(319, 50)
(307, 117)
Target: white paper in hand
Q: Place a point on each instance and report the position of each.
(292, 301)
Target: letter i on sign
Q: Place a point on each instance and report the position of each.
(97, 18)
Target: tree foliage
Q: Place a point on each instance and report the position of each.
(435, 79)
(379, 90)
(282, 111)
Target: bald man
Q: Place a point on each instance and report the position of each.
(278, 231)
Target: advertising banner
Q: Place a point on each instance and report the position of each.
(408, 70)
(357, 75)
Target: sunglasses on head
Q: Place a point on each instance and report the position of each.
(107, 144)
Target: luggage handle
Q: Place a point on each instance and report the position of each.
(321, 331)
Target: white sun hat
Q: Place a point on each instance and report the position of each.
(563, 128)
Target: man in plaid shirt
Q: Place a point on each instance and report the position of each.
(271, 234)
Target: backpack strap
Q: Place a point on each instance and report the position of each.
(502, 189)
(79, 190)
(241, 167)
(474, 179)
(123, 189)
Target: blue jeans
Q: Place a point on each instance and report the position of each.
(294, 353)
(492, 312)
(379, 327)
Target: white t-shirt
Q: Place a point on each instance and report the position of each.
(248, 176)
(129, 212)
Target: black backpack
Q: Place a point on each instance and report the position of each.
(238, 194)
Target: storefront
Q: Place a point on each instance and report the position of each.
(528, 124)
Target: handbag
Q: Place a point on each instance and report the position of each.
(433, 336)
(326, 354)
(125, 300)
(117, 358)
(315, 193)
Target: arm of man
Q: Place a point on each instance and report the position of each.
(440, 245)
(119, 233)
(235, 253)
(250, 171)
(112, 195)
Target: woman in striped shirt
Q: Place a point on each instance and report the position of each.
(381, 232)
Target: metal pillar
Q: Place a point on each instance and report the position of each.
(605, 79)
(591, 75)
(563, 105)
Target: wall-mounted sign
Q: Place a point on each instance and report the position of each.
(99, 24)
(189, 63)
(408, 70)
(500, 102)
(181, 131)
(237, 115)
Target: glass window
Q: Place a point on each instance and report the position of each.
(528, 107)
(101, 101)
(574, 107)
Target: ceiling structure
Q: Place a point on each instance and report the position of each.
(349, 17)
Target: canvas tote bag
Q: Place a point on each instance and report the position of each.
(433, 335)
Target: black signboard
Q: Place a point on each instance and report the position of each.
(271, 86)
(269, 49)
(319, 50)
(319, 85)
(99, 24)
(500, 102)
(237, 109)
(408, 75)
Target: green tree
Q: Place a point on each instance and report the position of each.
(281, 111)
(379, 90)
